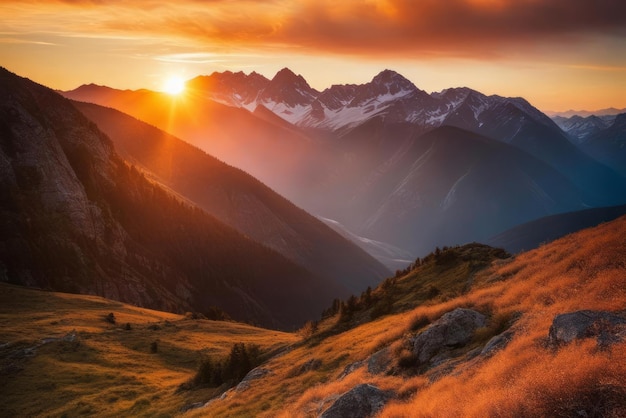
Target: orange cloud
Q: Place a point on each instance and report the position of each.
(358, 27)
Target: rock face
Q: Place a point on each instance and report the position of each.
(454, 329)
(497, 343)
(606, 327)
(361, 401)
(252, 375)
(379, 362)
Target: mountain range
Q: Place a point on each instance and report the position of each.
(393, 163)
(603, 137)
(77, 216)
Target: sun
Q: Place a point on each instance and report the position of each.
(174, 85)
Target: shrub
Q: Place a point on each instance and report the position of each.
(127, 327)
(309, 329)
(383, 307)
(208, 374)
(211, 373)
(154, 347)
(432, 292)
(110, 318)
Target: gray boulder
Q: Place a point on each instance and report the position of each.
(350, 368)
(606, 327)
(361, 401)
(452, 330)
(379, 362)
(497, 343)
(252, 375)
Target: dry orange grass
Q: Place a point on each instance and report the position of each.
(581, 271)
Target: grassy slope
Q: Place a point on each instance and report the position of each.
(586, 270)
(112, 372)
(108, 371)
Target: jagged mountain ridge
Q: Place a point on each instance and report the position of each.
(76, 217)
(603, 137)
(396, 100)
(238, 200)
(580, 128)
(349, 139)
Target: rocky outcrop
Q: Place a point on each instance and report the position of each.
(361, 401)
(497, 343)
(252, 375)
(452, 330)
(379, 362)
(350, 368)
(606, 327)
(307, 366)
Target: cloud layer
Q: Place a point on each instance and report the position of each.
(419, 28)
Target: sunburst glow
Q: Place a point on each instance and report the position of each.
(174, 85)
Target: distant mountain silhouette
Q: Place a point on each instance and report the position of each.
(530, 235)
(602, 137)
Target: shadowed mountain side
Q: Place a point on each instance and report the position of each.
(609, 145)
(76, 217)
(361, 147)
(238, 199)
(270, 150)
(532, 234)
(452, 186)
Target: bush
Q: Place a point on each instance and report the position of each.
(110, 318)
(240, 361)
(309, 329)
(432, 292)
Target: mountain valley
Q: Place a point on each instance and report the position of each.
(360, 146)
(103, 198)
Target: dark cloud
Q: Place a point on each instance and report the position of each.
(363, 27)
(447, 27)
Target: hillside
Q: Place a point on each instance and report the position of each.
(515, 357)
(60, 356)
(233, 135)
(76, 217)
(521, 371)
(237, 199)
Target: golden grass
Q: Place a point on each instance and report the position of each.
(113, 373)
(107, 371)
(583, 271)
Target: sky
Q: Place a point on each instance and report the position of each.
(558, 54)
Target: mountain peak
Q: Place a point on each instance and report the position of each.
(287, 76)
(392, 82)
(288, 88)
